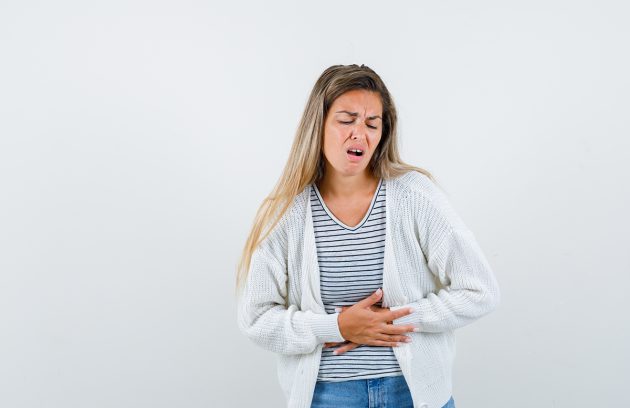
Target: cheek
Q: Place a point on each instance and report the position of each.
(334, 139)
(375, 141)
(333, 143)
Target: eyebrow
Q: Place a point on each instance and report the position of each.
(356, 114)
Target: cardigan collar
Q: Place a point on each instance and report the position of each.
(311, 295)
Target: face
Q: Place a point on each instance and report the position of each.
(354, 121)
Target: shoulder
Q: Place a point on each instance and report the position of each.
(427, 199)
(291, 220)
(414, 185)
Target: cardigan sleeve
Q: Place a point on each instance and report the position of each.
(266, 319)
(469, 288)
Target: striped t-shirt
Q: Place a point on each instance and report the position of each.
(351, 268)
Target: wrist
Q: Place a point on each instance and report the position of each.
(340, 325)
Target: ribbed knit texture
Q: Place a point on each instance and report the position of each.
(432, 263)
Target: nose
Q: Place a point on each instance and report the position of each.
(360, 129)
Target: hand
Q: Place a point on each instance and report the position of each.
(347, 346)
(373, 308)
(364, 323)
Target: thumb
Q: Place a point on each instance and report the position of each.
(370, 300)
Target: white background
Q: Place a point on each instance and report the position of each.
(137, 140)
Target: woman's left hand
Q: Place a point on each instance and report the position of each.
(346, 346)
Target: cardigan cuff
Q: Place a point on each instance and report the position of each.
(326, 328)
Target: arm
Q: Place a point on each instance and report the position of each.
(472, 293)
(265, 318)
(453, 255)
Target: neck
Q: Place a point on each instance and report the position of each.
(337, 185)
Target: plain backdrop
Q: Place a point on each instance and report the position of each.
(137, 139)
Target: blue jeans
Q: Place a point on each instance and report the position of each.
(382, 392)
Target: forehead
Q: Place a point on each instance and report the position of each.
(358, 100)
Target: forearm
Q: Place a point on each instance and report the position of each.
(448, 310)
(288, 330)
(470, 289)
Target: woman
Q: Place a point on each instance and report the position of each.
(364, 270)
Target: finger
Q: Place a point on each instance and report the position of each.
(394, 338)
(332, 344)
(385, 343)
(348, 348)
(396, 329)
(372, 299)
(345, 348)
(395, 314)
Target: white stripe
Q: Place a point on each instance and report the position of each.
(351, 268)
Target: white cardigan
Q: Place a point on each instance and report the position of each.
(432, 263)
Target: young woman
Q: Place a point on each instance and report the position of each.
(364, 270)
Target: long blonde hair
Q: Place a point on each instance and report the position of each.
(306, 163)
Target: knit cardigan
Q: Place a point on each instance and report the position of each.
(432, 264)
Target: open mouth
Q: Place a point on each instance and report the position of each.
(355, 152)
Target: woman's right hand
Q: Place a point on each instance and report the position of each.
(361, 325)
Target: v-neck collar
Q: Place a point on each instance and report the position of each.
(365, 217)
(311, 296)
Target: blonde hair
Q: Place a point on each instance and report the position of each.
(306, 163)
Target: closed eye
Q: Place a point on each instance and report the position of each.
(347, 123)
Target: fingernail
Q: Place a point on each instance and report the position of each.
(416, 329)
(397, 344)
(378, 291)
(337, 309)
(408, 340)
(335, 352)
